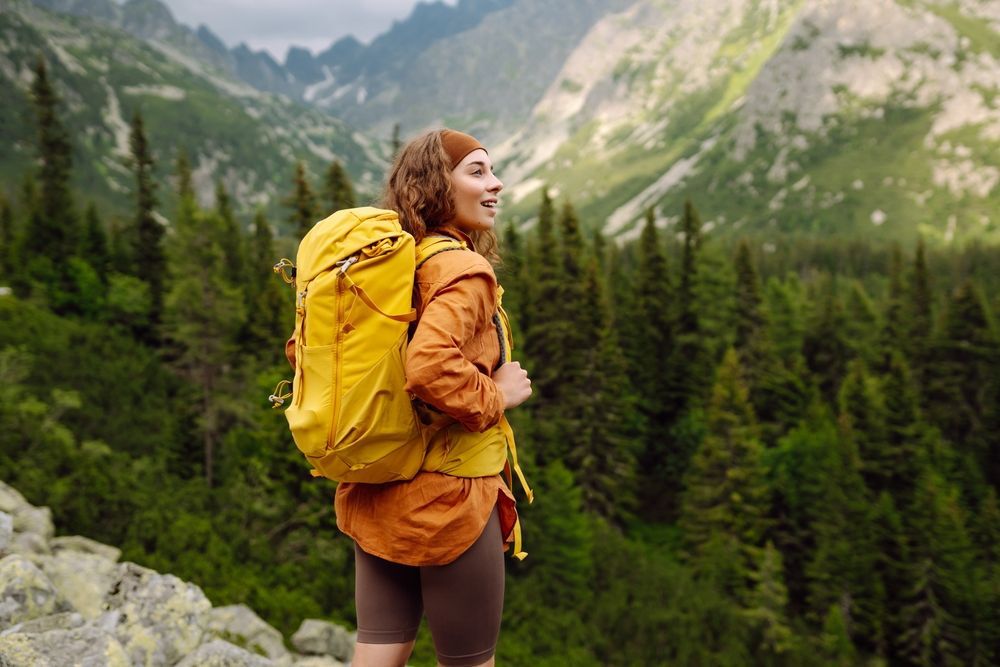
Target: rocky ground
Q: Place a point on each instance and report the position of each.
(68, 601)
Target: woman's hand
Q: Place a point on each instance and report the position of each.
(513, 383)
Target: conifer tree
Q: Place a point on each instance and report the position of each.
(203, 315)
(8, 258)
(892, 558)
(602, 444)
(513, 278)
(544, 340)
(940, 591)
(338, 191)
(750, 319)
(766, 609)
(862, 416)
(893, 334)
(648, 351)
(825, 346)
(230, 237)
(95, 243)
(688, 368)
(54, 232)
(396, 142)
(269, 318)
(961, 380)
(861, 325)
(921, 317)
(725, 498)
(147, 236)
(302, 202)
(837, 648)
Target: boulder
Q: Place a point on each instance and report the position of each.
(240, 625)
(6, 531)
(28, 544)
(84, 545)
(317, 637)
(219, 653)
(157, 618)
(67, 620)
(87, 645)
(35, 520)
(82, 579)
(11, 499)
(25, 592)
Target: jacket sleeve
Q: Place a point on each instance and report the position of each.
(437, 371)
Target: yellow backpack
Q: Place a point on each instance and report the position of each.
(348, 410)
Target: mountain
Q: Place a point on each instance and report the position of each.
(102, 74)
(879, 118)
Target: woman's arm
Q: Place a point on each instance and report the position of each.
(437, 371)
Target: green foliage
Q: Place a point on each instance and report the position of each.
(302, 202)
(337, 188)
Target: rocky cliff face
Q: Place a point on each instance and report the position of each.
(69, 601)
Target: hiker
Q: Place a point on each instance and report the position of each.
(434, 544)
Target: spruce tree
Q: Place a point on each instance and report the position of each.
(725, 498)
(688, 368)
(268, 322)
(147, 235)
(940, 593)
(602, 446)
(94, 247)
(543, 342)
(921, 317)
(893, 334)
(54, 232)
(512, 275)
(648, 349)
(338, 191)
(825, 346)
(766, 609)
(8, 258)
(302, 202)
(230, 237)
(961, 381)
(203, 315)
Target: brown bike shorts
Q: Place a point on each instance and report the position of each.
(463, 600)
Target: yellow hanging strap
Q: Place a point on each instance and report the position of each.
(513, 464)
(361, 294)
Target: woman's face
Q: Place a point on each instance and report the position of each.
(475, 189)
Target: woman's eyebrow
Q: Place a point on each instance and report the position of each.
(479, 162)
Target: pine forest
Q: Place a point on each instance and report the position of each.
(745, 450)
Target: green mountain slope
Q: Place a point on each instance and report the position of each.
(878, 118)
(249, 139)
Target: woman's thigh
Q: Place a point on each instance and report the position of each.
(464, 600)
(388, 600)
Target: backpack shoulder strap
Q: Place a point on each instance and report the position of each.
(432, 245)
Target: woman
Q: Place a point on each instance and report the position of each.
(434, 544)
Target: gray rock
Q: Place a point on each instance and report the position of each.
(67, 620)
(81, 578)
(29, 544)
(87, 647)
(219, 653)
(37, 520)
(158, 618)
(6, 531)
(317, 637)
(85, 545)
(240, 625)
(25, 592)
(11, 499)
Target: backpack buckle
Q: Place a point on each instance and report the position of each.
(345, 264)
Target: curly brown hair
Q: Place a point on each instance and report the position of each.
(419, 190)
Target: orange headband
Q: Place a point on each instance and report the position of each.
(457, 145)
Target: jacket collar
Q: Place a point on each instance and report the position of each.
(455, 233)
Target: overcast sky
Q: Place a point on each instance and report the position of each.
(277, 24)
